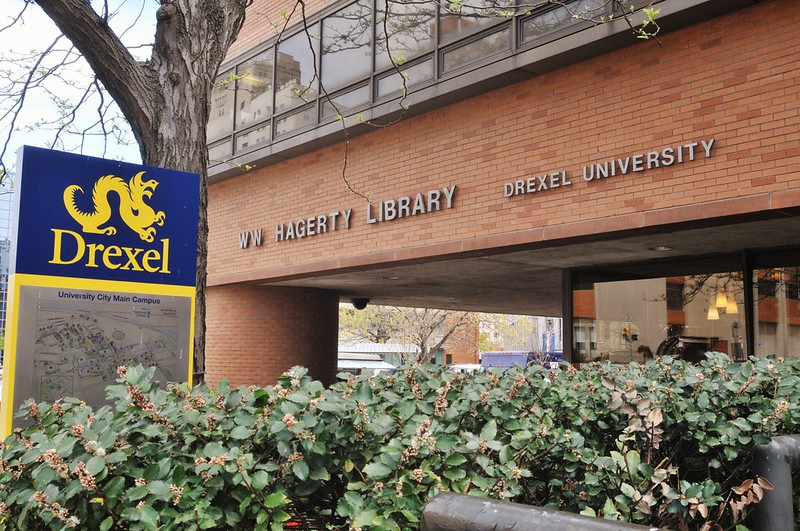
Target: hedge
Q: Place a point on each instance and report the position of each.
(664, 444)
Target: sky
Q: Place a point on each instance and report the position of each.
(134, 20)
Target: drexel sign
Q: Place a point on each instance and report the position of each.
(102, 275)
(107, 220)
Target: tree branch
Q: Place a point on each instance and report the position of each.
(123, 76)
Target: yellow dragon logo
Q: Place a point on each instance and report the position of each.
(132, 208)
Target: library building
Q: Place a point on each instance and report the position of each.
(538, 159)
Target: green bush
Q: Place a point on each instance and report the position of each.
(665, 443)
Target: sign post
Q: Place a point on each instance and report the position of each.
(103, 273)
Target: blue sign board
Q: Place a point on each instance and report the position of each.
(103, 273)
(108, 220)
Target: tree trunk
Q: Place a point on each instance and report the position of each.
(166, 99)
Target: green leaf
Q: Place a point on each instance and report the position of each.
(241, 432)
(106, 524)
(137, 493)
(489, 431)
(148, 517)
(300, 469)
(259, 480)
(320, 474)
(276, 499)
(365, 518)
(377, 470)
(95, 465)
(159, 488)
(455, 459)
(114, 487)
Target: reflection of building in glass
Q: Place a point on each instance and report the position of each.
(6, 214)
(254, 90)
(289, 82)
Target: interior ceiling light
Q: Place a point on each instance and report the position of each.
(660, 248)
(731, 307)
(722, 299)
(713, 314)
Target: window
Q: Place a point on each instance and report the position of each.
(347, 46)
(253, 137)
(476, 50)
(670, 309)
(220, 121)
(360, 54)
(254, 89)
(552, 19)
(341, 103)
(297, 120)
(219, 152)
(413, 75)
(674, 295)
(460, 19)
(295, 73)
(411, 28)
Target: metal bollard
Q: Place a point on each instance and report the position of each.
(460, 512)
(775, 462)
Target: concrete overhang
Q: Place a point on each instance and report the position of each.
(527, 279)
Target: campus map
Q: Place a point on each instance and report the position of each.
(81, 338)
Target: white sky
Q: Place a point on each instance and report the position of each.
(134, 20)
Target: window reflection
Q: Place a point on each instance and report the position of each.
(254, 89)
(554, 19)
(287, 124)
(342, 103)
(347, 46)
(295, 78)
(220, 118)
(411, 27)
(477, 50)
(413, 75)
(219, 152)
(682, 316)
(777, 311)
(254, 137)
(459, 19)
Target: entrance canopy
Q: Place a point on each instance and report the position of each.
(527, 279)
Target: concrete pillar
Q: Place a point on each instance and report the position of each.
(255, 333)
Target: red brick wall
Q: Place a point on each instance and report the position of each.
(463, 344)
(735, 78)
(255, 333)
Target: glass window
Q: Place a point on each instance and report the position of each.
(552, 19)
(777, 310)
(253, 137)
(459, 18)
(413, 75)
(219, 152)
(220, 119)
(411, 27)
(347, 46)
(254, 89)
(295, 73)
(685, 317)
(297, 120)
(341, 103)
(476, 50)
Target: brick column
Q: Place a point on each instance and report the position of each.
(255, 333)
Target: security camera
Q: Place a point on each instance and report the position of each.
(359, 303)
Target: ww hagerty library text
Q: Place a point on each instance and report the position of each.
(545, 165)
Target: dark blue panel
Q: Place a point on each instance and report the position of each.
(127, 222)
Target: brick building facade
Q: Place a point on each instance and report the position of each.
(700, 139)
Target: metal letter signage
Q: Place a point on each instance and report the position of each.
(103, 272)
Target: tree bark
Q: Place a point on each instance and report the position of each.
(165, 99)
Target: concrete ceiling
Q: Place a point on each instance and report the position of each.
(528, 280)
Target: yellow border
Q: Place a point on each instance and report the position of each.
(16, 281)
